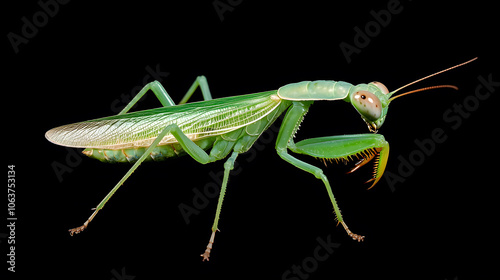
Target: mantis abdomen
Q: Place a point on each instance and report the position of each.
(131, 155)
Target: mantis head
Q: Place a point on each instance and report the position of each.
(372, 100)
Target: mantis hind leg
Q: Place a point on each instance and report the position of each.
(159, 92)
(288, 128)
(123, 179)
(190, 147)
(201, 82)
(165, 98)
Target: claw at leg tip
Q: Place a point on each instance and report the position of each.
(205, 256)
(76, 230)
(357, 237)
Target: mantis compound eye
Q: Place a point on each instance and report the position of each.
(382, 87)
(367, 105)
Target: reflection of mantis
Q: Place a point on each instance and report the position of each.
(230, 126)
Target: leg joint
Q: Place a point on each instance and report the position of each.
(318, 173)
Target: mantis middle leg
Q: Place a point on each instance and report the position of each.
(228, 166)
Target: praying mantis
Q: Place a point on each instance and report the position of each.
(231, 125)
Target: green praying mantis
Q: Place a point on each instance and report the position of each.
(231, 125)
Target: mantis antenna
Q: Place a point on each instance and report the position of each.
(426, 77)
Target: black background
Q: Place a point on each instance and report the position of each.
(437, 224)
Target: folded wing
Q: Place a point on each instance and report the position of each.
(139, 129)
